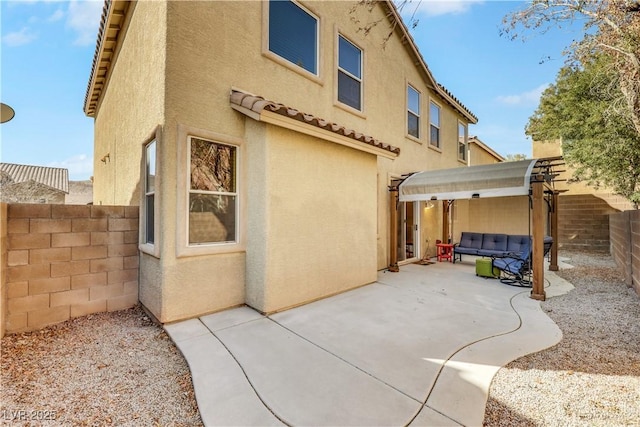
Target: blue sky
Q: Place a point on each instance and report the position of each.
(47, 48)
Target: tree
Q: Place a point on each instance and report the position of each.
(601, 144)
(515, 157)
(612, 28)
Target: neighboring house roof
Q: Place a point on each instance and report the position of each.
(256, 104)
(55, 178)
(485, 147)
(112, 22)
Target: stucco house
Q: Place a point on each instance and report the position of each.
(259, 140)
(33, 184)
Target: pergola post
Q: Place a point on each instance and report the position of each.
(553, 265)
(445, 221)
(537, 184)
(393, 234)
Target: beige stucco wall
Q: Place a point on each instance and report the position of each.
(480, 156)
(506, 215)
(210, 48)
(131, 107)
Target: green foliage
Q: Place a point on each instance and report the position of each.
(515, 157)
(582, 109)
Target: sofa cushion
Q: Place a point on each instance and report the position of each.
(466, 251)
(517, 242)
(494, 242)
(471, 240)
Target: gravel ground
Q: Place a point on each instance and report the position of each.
(592, 377)
(104, 369)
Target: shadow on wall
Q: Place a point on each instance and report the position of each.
(583, 220)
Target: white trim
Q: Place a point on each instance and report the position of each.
(439, 126)
(183, 248)
(418, 114)
(152, 249)
(339, 69)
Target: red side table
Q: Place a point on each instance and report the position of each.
(444, 251)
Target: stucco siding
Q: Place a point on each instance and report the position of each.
(131, 107)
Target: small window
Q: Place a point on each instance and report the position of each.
(434, 118)
(413, 112)
(349, 74)
(293, 34)
(149, 192)
(213, 196)
(462, 141)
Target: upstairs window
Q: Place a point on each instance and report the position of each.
(213, 195)
(293, 34)
(434, 118)
(413, 112)
(149, 192)
(462, 142)
(349, 74)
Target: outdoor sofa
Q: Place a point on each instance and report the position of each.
(510, 253)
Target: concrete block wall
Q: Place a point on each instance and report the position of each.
(625, 245)
(583, 221)
(65, 261)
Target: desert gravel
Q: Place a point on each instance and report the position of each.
(104, 369)
(590, 378)
(121, 369)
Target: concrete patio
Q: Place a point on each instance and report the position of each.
(418, 347)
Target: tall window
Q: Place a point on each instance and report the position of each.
(462, 142)
(349, 74)
(434, 118)
(413, 112)
(293, 34)
(213, 196)
(149, 191)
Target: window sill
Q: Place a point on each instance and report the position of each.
(213, 249)
(434, 148)
(463, 161)
(413, 138)
(349, 109)
(293, 67)
(149, 249)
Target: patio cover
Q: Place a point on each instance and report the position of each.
(494, 180)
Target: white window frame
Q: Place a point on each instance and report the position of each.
(438, 143)
(266, 51)
(347, 73)
(464, 143)
(183, 248)
(414, 113)
(150, 248)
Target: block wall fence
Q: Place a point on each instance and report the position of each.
(65, 261)
(625, 245)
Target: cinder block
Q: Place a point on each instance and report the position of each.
(122, 303)
(17, 290)
(97, 306)
(107, 238)
(131, 262)
(70, 239)
(131, 287)
(49, 316)
(131, 237)
(131, 211)
(107, 264)
(98, 293)
(98, 211)
(29, 211)
(27, 272)
(82, 224)
(46, 256)
(70, 211)
(28, 303)
(19, 257)
(88, 252)
(123, 250)
(115, 290)
(28, 241)
(123, 224)
(16, 322)
(17, 226)
(76, 296)
(88, 280)
(53, 284)
(121, 276)
(72, 268)
(50, 226)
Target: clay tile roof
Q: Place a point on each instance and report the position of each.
(257, 104)
(56, 178)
